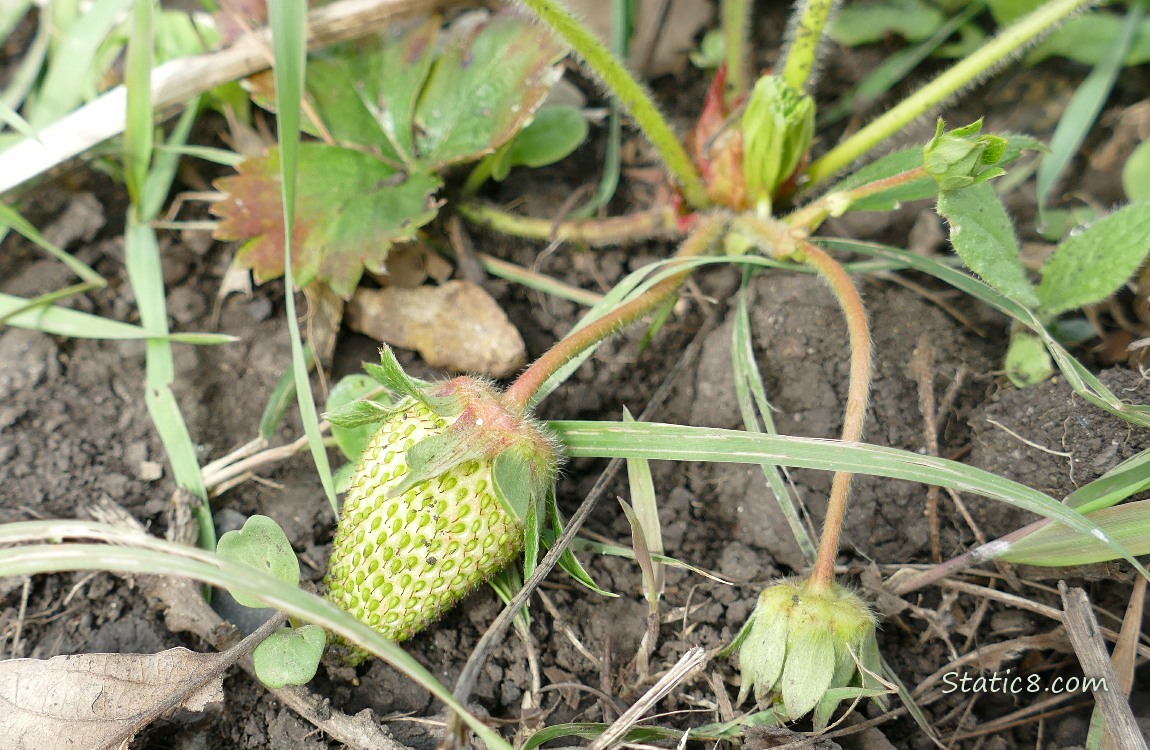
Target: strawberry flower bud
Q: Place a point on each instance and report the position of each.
(805, 650)
(778, 126)
(962, 157)
(438, 501)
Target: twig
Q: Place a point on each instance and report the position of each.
(922, 366)
(687, 665)
(1085, 636)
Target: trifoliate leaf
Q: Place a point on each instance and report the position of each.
(290, 656)
(351, 207)
(871, 20)
(260, 544)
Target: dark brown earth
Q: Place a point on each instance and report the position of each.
(74, 430)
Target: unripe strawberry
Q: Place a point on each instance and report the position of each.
(805, 649)
(436, 506)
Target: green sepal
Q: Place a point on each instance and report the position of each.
(740, 637)
(390, 375)
(353, 389)
(962, 157)
(810, 663)
(532, 533)
(358, 414)
(437, 454)
(834, 696)
(514, 486)
(568, 562)
(290, 656)
(872, 669)
(764, 654)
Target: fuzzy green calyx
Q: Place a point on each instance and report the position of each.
(437, 505)
(778, 126)
(807, 650)
(962, 157)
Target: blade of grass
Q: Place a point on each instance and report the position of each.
(158, 180)
(145, 273)
(60, 321)
(31, 63)
(682, 443)
(621, 25)
(12, 119)
(754, 405)
(896, 68)
(281, 399)
(646, 528)
(9, 217)
(70, 66)
(1083, 109)
(1125, 480)
(288, 21)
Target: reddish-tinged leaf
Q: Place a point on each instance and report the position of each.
(350, 208)
(484, 87)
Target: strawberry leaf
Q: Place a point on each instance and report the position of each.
(485, 86)
(351, 207)
(392, 79)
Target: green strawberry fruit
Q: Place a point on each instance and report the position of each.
(437, 505)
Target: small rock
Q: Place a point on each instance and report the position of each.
(150, 471)
(457, 326)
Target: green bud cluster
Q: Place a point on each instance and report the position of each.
(962, 157)
(778, 126)
(808, 650)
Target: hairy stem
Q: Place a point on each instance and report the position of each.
(616, 230)
(623, 86)
(788, 243)
(858, 391)
(522, 391)
(1008, 43)
(809, 23)
(811, 216)
(736, 31)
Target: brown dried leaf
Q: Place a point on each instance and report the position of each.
(96, 701)
(457, 326)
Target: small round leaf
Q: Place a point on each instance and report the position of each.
(290, 656)
(261, 544)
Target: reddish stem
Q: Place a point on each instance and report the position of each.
(858, 389)
(522, 391)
